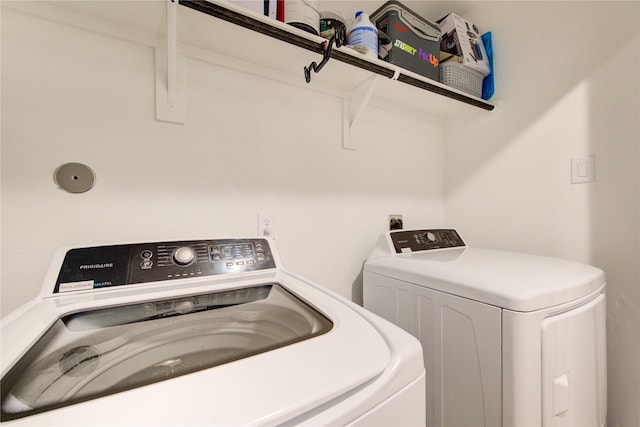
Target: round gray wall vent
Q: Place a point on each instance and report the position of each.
(74, 177)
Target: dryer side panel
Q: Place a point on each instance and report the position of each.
(470, 365)
(461, 342)
(574, 380)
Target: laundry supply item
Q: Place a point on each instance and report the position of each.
(261, 7)
(303, 14)
(330, 22)
(458, 76)
(463, 38)
(413, 41)
(257, 6)
(364, 34)
(488, 84)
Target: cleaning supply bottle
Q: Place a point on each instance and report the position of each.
(363, 33)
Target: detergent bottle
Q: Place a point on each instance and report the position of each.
(363, 33)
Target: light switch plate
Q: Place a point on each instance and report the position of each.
(583, 170)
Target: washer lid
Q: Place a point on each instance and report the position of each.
(311, 374)
(103, 351)
(510, 280)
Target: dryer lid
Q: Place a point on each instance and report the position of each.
(103, 351)
(514, 281)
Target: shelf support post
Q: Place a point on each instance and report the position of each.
(172, 10)
(170, 90)
(349, 121)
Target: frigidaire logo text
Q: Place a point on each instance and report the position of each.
(94, 266)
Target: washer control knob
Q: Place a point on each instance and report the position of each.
(430, 236)
(184, 255)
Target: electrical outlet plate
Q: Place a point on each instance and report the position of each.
(395, 222)
(266, 225)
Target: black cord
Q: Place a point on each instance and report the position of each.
(339, 39)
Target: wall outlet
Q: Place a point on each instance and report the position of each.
(395, 222)
(266, 225)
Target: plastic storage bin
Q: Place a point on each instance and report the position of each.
(461, 77)
(414, 41)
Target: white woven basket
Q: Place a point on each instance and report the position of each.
(458, 76)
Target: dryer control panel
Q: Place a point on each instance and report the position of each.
(118, 265)
(407, 241)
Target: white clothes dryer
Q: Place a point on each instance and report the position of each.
(208, 332)
(509, 339)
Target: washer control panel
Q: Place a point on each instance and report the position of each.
(119, 265)
(407, 241)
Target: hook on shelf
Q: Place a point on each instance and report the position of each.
(327, 46)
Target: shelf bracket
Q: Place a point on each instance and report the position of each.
(170, 88)
(350, 118)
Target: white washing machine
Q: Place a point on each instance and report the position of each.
(209, 332)
(509, 339)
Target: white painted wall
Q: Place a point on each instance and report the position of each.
(567, 76)
(249, 145)
(568, 86)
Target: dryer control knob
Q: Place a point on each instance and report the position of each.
(430, 236)
(184, 255)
